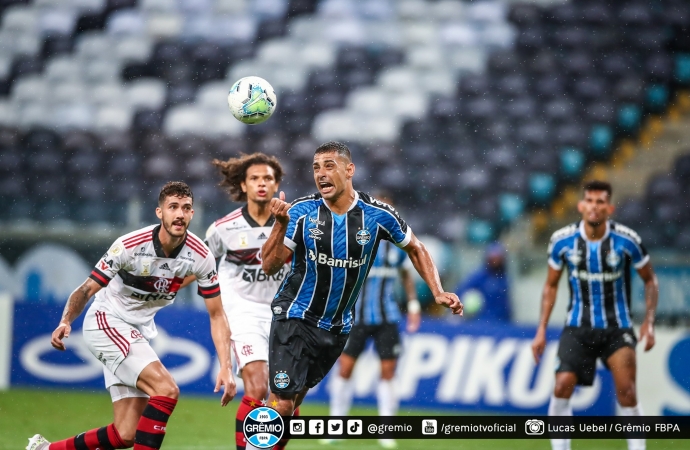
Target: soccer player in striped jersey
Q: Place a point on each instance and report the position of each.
(598, 255)
(246, 290)
(377, 315)
(332, 238)
(140, 274)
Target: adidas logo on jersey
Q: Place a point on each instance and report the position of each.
(165, 266)
(262, 237)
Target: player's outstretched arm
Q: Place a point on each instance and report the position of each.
(422, 262)
(414, 310)
(548, 300)
(220, 332)
(274, 253)
(74, 307)
(651, 298)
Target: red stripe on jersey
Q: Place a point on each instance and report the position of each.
(99, 277)
(139, 242)
(112, 333)
(209, 292)
(232, 216)
(197, 247)
(137, 236)
(198, 243)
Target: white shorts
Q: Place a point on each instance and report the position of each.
(249, 340)
(119, 346)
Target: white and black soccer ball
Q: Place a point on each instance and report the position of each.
(252, 100)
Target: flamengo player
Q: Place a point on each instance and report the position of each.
(597, 254)
(246, 290)
(332, 238)
(140, 274)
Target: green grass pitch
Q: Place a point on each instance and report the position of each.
(200, 423)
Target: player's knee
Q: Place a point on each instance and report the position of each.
(564, 388)
(168, 389)
(387, 373)
(627, 395)
(345, 372)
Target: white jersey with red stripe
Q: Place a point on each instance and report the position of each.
(237, 239)
(139, 279)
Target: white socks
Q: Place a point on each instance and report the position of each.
(560, 407)
(342, 391)
(387, 399)
(633, 444)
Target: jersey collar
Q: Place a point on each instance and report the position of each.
(352, 206)
(253, 223)
(603, 238)
(158, 247)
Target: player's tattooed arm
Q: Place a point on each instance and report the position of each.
(548, 300)
(74, 307)
(651, 297)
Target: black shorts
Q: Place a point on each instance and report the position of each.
(300, 355)
(386, 340)
(579, 349)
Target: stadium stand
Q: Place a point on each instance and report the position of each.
(483, 109)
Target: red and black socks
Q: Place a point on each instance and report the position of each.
(246, 406)
(152, 424)
(104, 438)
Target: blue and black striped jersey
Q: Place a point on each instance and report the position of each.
(331, 258)
(376, 304)
(599, 273)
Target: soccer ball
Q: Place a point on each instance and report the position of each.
(252, 100)
(473, 302)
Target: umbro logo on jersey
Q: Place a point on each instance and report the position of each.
(262, 237)
(165, 266)
(315, 233)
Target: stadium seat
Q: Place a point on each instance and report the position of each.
(480, 232)
(601, 140)
(572, 163)
(542, 188)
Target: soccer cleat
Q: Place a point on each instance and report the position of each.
(38, 442)
(388, 443)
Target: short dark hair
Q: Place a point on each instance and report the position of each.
(234, 172)
(176, 189)
(335, 146)
(598, 185)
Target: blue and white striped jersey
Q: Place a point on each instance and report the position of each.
(599, 273)
(376, 304)
(331, 258)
